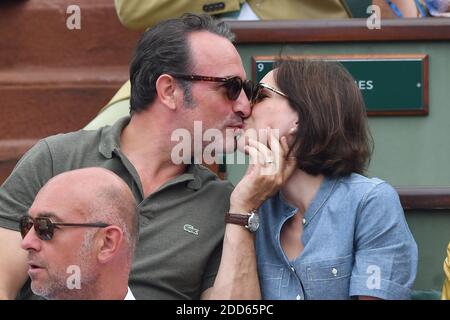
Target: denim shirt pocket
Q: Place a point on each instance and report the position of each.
(270, 278)
(329, 279)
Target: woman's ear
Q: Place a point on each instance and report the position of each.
(293, 130)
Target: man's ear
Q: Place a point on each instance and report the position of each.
(167, 89)
(111, 239)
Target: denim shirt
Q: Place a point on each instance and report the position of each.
(356, 243)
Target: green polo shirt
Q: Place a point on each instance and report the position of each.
(181, 224)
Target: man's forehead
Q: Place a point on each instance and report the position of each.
(53, 202)
(214, 54)
(57, 212)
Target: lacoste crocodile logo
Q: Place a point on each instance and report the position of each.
(191, 229)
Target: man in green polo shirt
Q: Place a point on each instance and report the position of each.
(182, 207)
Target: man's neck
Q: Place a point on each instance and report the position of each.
(146, 137)
(116, 291)
(145, 141)
(112, 284)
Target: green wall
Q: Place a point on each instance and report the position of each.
(432, 234)
(408, 150)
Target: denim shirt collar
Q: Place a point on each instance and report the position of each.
(324, 192)
(282, 210)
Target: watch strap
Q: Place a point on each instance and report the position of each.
(234, 218)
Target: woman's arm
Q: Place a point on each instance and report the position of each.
(386, 254)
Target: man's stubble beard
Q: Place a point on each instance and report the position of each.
(57, 289)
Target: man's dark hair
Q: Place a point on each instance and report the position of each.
(164, 49)
(333, 138)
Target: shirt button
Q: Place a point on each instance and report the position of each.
(292, 268)
(304, 221)
(298, 297)
(334, 272)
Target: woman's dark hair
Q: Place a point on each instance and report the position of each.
(333, 138)
(164, 48)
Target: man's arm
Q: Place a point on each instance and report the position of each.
(16, 196)
(237, 277)
(13, 264)
(269, 168)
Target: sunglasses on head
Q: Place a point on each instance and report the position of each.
(258, 94)
(233, 85)
(45, 228)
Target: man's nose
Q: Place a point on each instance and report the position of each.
(242, 106)
(31, 241)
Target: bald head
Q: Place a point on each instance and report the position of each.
(76, 201)
(95, 194)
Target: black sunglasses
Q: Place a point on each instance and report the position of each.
(233, 85)
(45, 228)
(257, 92)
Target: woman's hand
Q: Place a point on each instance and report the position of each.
(268, 170)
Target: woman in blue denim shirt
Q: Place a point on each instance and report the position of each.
(330, 232)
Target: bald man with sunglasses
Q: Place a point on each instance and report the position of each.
(184, 71)
(80, 234)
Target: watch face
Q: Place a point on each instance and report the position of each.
(253, 222)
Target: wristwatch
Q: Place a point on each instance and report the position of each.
(248, 220)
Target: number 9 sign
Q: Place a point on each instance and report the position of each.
(260, 67)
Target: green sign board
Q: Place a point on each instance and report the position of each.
(391, 85)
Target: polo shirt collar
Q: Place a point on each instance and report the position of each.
(193, 176)
(194, 171)
(110, 137)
